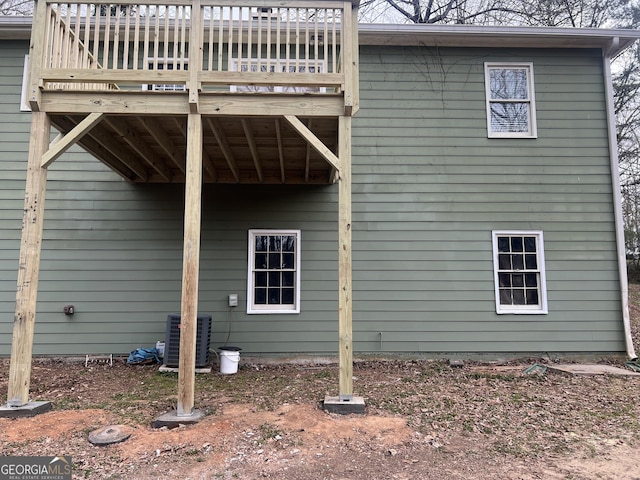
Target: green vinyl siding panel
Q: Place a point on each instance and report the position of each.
(428, 189)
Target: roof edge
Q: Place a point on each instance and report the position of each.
(612, 41)
(15, 27)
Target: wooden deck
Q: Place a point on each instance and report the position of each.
(236, 149)
(269, 82)
(231, 91)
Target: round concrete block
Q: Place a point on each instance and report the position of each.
(110, 434)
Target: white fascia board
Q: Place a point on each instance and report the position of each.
(494, 36)
(613, 41)
(15, 27)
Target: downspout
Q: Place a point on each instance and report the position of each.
(617, 197)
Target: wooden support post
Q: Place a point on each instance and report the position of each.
(355, 58)
(346, 51)
(190, 266)
(29, 263)
(195, 54)
(37, 53)
(345, 353)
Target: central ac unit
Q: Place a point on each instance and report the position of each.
(172, 340)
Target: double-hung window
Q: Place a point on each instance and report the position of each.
(255, 65)
(518, 263)
(167, 64)
(273, 284)
(510, 97)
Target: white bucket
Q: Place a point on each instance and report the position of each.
(229, 360)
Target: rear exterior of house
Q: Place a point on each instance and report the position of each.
(483, 222)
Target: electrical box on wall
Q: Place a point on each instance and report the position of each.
(233, 299)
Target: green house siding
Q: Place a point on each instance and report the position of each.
(429, 187)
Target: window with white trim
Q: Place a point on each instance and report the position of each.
(301, 66)
(167, 64)
(510, 97)
(518, 264)
(273, 278)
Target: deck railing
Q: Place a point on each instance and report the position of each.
(235, 46)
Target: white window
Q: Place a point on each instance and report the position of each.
(167, 64)
(302, 66)
(510, 100)
(518, 264)
(273, 278)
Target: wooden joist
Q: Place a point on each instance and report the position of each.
(137, 144)
(107, 151)
(162, 138)
(280, 149)
(251, 141)
(216, 129)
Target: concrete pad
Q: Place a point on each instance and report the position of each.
(344, 407)
(30, 409)
(172, 419)
(594, 369)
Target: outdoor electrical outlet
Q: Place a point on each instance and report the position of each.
(233, 299)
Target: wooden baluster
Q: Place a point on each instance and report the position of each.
(165, 40)
(76, 60)
(268, 40)
(278, 39)
(107, 37)
(316, 40)
(287, 52)
(249, 47)
(241, 11)
(127, 36)
(183, 37)
(66, 39)
(297, 59)
(87, 38)
(147, 29)
(307, 43)
(259, 41)
(156, 38)
(116, 38)
(221, 41)
(136, 38)
(55, 47)
(325, 40)
(334, 53)
(96, 35)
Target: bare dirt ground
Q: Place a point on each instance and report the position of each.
(424, 420)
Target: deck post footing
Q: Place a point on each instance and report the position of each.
(172, 419)
(344, 406)
(29, 409)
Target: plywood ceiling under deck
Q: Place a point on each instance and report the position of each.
(152, 149)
